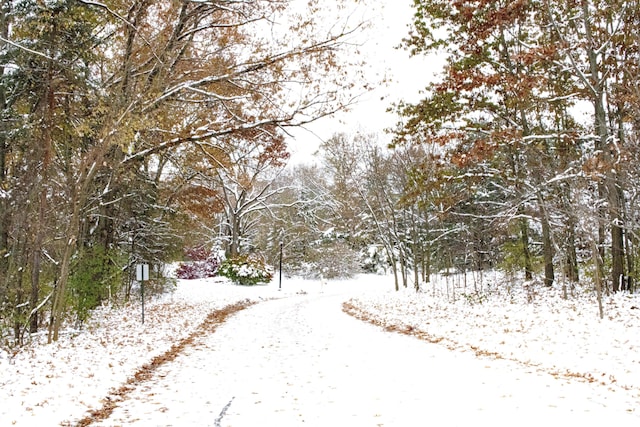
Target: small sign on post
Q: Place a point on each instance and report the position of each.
(142, 274)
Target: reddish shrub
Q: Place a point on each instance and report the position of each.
(204, 263)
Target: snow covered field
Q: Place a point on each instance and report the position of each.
(586, 366)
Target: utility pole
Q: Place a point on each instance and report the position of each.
(280, 269)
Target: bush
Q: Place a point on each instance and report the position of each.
(204, 263)
(246, 271)
(96, 275)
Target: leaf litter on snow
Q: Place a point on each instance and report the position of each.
(529, 324)
(52, 383)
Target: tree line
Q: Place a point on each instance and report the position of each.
(130, 128)
(534, 131)
(521, 155)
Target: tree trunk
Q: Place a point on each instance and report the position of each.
(78, 190)
(48, 106)
(631, 268)
(426, 266)
(5, 10)
(598, 278)
(524, 238)
(416, 250)
(234, 237)
(402, 258)
(36, 263)
(609, 188)
(547, 244)
(59, 298)
(617, 256)
(394, 268)
(416, 270)
(572, 271)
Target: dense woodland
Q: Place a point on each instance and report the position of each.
(533, 135)
(134, 130)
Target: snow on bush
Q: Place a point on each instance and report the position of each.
(245, 270)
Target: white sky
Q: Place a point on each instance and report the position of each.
(407, 77)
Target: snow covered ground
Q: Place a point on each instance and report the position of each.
(532, 325)
(519, 356)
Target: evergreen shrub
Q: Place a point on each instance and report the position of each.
(96, 275)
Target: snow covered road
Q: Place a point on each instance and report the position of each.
(300, 360)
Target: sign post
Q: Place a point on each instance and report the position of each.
(142, 274)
